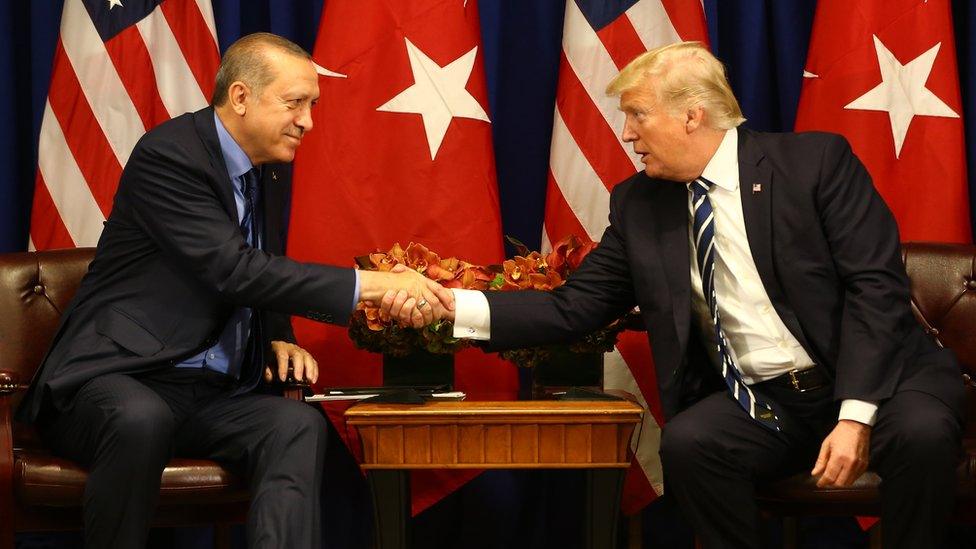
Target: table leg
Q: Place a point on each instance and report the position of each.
(391, 507)
(603, 489)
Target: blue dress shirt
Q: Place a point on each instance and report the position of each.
(227, 355)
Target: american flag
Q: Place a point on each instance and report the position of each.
(120, 68)
(588, 158)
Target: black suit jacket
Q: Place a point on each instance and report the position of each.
(827, 250)
(171, 266)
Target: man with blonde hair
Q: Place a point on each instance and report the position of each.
(768, 273)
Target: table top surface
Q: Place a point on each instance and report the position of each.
(622, 409)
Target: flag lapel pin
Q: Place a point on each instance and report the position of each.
(756, 188)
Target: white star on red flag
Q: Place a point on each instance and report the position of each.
(908, 46)
(902, 92)
(438, 94)
(113, 3)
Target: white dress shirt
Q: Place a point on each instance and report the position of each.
(761, 345)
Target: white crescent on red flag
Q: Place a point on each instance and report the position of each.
(588, 158)
(883, 73)
(400, 151)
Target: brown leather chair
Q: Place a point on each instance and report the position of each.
(943, 289)
(41, 492)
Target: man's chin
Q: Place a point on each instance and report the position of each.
(286, 155)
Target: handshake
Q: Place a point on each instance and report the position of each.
(407, 296)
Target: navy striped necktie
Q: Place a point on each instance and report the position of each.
(249, 225)
(704, 233)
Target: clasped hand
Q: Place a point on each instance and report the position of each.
(406, 295)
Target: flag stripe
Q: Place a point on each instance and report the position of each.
(591, 132)
(67, 186)
(102, 98)
(633, 349)
(100, 82)
(192, 35)
(619, 374)
(560, 219)
(621, 41)
(637, 492)
(593, 66)
(51, 234)
(652, 25)
(590, 202)
(206, 11)
(134, 67)
(173, 76)
(687, 17)
(88, 146)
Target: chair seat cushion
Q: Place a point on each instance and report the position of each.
(803, 488)
(45, 480)
(799, 494)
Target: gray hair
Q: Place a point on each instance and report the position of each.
(246, 61)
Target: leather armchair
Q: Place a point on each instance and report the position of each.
(943, 291)
(42, 492)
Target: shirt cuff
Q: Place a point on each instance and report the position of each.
(472, 315)
(355, 294)
(860, 411)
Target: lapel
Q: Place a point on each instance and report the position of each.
(204, 122)
(670, 213)
(756, 190)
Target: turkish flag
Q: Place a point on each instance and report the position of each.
(401, 151)
(883, 73)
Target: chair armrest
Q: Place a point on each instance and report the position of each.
(9, 384)
(291, 388)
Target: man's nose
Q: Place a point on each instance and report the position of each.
(628, 133)
(304, 120)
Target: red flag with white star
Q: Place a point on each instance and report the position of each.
(400, 151)
(883, 73)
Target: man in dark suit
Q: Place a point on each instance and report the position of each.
(768, 273)
(186, 298)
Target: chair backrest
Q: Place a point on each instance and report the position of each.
(35, 287)
(943, 288)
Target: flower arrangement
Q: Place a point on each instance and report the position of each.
(532, 270)
(372, 330)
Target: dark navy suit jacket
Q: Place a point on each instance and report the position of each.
(827, 250)
(172, 264)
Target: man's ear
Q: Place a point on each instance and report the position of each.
(694, 118)
(237, 95)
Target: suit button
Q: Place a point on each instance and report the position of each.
(328, 318)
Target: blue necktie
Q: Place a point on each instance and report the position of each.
(704, 233)
(249, 225)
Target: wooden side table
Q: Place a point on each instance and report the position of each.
(592, 435)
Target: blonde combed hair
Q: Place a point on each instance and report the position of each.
(684, 75)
